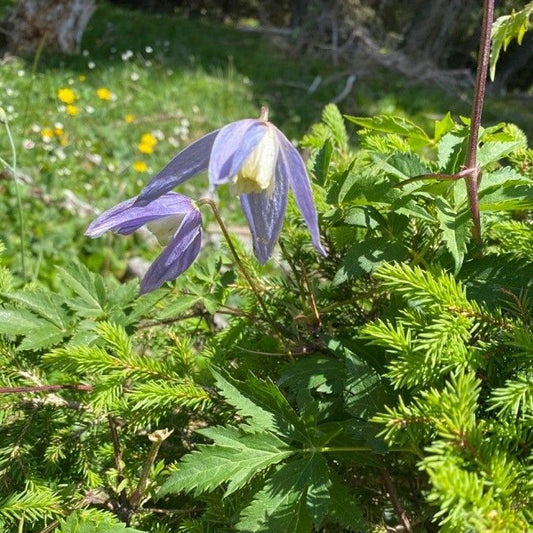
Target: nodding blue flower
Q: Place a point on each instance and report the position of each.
(175, 221)
(260, 165)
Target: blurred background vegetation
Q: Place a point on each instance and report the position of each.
(174, 70)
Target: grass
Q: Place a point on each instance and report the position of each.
(173, 79)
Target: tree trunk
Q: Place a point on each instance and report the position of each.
(431, 27)
(58, 23)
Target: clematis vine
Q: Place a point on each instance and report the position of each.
(260, 165)
(175, 221)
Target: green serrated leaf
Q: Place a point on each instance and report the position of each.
(402, 166)
(264, 405)
(362, 388)
(323, 374)
(87, 286)
(491, 152)
(48, 305)
(451, 152)
(322, 161)
(345, 509)
(19, 321)
(281, 506)
(367, 255)
(235, 458)
(443, 126)
(393, 124)
(505, 29)
(318, 496)
(178, 306)
(455, 227)
(44, 337)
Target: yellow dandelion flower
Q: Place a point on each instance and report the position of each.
(72, 110)
(58, 131)
(47, 133)
(66, 95)
(149, 139)
(129, 118)
(82, 77)
(104, 93)
(140, 166)
(145, 148)
(63, 140)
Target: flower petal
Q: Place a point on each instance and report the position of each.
(233, 145)
(126, 217)
(265, 217)
(292, 168)
(189, 162)
(178, 256)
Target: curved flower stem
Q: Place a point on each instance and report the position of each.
(473, 178)
(244, 272)
(13, 168)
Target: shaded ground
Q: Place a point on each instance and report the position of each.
(283, 81)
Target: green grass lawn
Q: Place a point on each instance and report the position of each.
(165, 80)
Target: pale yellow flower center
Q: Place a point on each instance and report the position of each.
(257, 174)
(164, 228)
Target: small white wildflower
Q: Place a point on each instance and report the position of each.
(89, 109)
(174, 142)
(28, 144)
(35, 128)
(148, 64)
(128, 54)
(20, 73)
(158, 134)
(134, 76)
(95, 159)
(148, 49)
(91, 65)
(85, 53)
(195, 109)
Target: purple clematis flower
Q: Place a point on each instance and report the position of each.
(260, 165)
(175, 221)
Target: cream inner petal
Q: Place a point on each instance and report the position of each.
(258, 171)
(165, 228)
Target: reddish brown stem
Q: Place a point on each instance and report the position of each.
(473, 179)
(46, 388)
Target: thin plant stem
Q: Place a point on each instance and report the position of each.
(242, 268)
(157, 439)
(46, 388)
(395, 500)
(13, 168)
(117, 452)
(473, 178)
